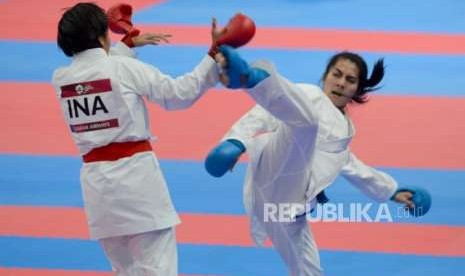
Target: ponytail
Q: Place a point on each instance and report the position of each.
(370, 84)
(376, 76)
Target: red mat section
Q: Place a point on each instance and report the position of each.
(50, 272)
(57, 272)
(30, 24)
(418, 239)
(408, 132)
(38, 20)
(327, 39)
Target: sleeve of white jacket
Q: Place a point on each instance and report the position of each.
(175, 93)
(374, 183)
(285, 100)
(121, 49)
(254, 122)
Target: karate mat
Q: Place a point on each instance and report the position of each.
(412, 128)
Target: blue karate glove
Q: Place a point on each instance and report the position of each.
(240, 74)
(223, 157)
(420, 197)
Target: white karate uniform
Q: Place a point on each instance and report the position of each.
(102, 99)
(297, 141)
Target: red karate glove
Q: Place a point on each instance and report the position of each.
(119, 21)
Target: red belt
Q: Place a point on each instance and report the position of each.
(115, 151)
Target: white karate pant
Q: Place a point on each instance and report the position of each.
(282, 176)
(146, 254)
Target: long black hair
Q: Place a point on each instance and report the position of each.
(365, 84)
(80, 27)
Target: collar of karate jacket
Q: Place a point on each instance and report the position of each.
(90, 55)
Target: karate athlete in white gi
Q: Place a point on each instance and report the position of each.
(297, 138)
(126, 199)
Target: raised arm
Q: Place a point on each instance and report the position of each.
(175, 93)
(285, 100)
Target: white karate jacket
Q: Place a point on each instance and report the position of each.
(102, 99)
(326, 145)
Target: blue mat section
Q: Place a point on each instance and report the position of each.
(30, 61)
(406, 74)
(415, 15)
(52, 254)
(220, 260)
(353, 263)
(54, 181)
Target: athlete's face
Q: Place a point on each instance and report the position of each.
(341, 82)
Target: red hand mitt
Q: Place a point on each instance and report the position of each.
(119, 19)
(239, 31)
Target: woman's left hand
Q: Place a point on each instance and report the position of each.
(405, 197)
(150, 38)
